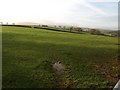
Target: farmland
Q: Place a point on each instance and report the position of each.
(28, 55)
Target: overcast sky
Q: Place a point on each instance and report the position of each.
(84, 13)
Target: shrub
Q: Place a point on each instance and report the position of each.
(95, 32)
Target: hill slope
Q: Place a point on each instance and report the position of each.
(28, 55)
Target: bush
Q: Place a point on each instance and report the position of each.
(95, 32)
(44, 25)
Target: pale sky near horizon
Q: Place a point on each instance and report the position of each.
(83, 13)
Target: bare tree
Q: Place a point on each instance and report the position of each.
(60, 26)
(71, 29)
(79, 29)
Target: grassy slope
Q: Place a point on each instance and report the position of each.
(28, 54)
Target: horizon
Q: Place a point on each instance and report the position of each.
(82, 13)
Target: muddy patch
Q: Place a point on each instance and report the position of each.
(63, 77)
(110, 77)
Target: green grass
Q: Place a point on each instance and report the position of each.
(28, 55)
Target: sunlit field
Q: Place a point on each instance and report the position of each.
(28, 56)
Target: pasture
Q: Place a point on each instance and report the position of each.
(29, 53)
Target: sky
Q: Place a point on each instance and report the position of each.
(83, 13)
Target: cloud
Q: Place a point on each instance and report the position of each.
(102, 0)
(34, 10)
(97, 10)
(91, 7)
(72, 12)
(108, 22)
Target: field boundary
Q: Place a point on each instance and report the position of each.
(48, 28)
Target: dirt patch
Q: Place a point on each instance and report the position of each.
(63, 77)
(104, 71)
(59, 68)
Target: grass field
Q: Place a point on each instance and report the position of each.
(28, 55)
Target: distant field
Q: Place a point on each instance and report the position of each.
(28, 55)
